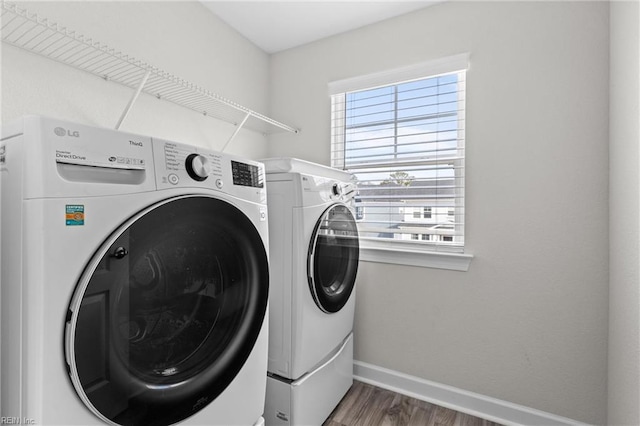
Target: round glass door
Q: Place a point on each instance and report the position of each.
(167, 312)
(333, 258)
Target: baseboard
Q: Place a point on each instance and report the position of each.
(488, 408)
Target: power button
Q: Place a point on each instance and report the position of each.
(173, 179)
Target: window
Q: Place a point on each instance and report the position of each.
(402, 135)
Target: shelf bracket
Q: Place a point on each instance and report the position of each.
(133, 99)
(244, 120)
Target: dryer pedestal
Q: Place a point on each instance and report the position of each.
(310, 399)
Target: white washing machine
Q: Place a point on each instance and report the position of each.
(314, 261)
(134, 280)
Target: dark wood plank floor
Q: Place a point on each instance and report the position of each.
(366, 405)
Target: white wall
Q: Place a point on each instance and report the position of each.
(528, 322)
(183, 38)
(624, 296)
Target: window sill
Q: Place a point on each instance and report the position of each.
(424, 259)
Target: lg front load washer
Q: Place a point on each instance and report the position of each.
(134, 280)
(314, 261)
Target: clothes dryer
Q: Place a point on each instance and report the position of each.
(314, 262)
(134, 279)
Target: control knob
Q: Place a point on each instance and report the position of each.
(336, 190)
(198, 167)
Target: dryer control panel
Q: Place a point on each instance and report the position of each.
(317, 190)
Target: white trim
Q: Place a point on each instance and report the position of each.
(412, 72)
(488, 408)
(424, 259)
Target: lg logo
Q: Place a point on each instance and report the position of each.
(64, 132)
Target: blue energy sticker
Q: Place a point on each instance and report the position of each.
(74, 214)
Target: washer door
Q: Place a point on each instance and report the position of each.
(167, 312)
(333, 258)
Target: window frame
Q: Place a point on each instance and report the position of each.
(396, 251)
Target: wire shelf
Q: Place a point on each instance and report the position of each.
(39, 35)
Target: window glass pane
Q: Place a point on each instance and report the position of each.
(404, 143)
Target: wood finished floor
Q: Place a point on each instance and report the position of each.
(366, 405)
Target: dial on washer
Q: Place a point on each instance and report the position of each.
(198, 167)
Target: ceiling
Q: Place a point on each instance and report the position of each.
(279, 25)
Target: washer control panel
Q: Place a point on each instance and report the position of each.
(178, 165)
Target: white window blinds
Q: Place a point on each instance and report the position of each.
(404, 142)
